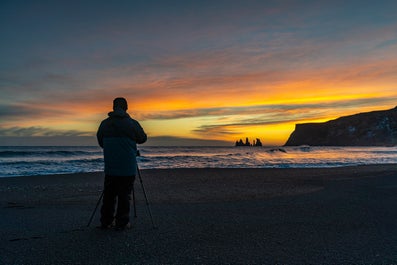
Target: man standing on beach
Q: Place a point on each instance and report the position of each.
(119, 135)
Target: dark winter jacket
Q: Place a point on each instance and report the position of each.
(118, 136)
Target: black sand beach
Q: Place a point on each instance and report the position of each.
(208, 216)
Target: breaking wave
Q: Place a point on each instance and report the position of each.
(26, 161)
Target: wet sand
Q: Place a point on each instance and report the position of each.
(342, 215)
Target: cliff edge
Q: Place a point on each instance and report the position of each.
(376, 128)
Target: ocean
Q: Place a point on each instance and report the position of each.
(29, 161)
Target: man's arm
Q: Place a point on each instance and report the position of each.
(140, 135)
(99, 135)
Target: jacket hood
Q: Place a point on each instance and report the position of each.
(118, 112)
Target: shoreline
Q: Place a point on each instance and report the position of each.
(208, 216)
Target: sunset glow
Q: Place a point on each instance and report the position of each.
(214, 70)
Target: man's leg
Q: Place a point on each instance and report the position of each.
(109, 201)
(124, 197)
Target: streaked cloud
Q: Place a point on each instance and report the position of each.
(39, 131)
(270, 109)
(14, 111)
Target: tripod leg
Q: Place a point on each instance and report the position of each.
(144, 194)
(93, 213)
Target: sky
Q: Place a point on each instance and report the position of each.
(193, 72)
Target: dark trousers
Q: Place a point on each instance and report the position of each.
(117, 190)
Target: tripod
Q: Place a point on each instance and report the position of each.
(146, 199)
(133, 198)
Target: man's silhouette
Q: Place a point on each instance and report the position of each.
(119, 135)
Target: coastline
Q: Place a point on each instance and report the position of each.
(208, 216)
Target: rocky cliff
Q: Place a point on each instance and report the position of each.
(377, 128)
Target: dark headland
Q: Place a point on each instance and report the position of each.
(376, 128)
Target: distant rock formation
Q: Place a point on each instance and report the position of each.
(247, 142)
(376, 128)
(241, 143)
(258, 142)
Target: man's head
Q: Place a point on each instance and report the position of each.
(120, 103)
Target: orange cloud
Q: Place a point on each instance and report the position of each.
(283, 84)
